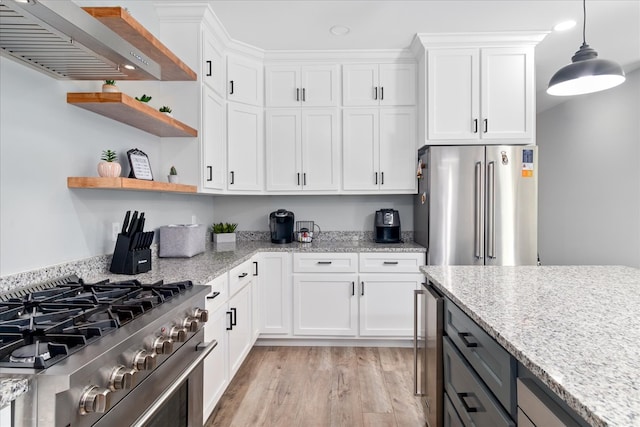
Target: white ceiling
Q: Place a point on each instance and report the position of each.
(613, 26)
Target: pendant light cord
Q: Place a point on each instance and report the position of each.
(584, 22)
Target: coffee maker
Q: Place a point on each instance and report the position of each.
(281, 226)
(387, 226)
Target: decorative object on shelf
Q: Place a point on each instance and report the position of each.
(110, 86)
(173, 175)
(144, 98)
(108, 167)
(139, 163)
(166, 110)
(586, 73)
(224, 232)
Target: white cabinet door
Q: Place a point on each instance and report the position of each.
(320, 150)
(215, 376)
(213, 140)
(244, 147)
(239, 328)
(398, 151)
(325, 304)
(386, 304)
(319, 86)
(359, 85)
(284, 149)
(397, 84)
(360, 152)
(453, 94)
(213, 64)
(282, 86)
(244, 80)
(275, 293)
(507, 93)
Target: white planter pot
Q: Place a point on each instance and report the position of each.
(109, 169)
(110, 88)
(173, 179)
(224, 237)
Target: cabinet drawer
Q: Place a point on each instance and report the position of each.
(472, 400)
(535, 408)
(391, 262)
(493, 363)
(451, 417)
(240, 276)
(325, 263)
(219, 292)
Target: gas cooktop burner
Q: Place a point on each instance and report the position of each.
(59, 320)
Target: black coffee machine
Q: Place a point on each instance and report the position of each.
(387, 226)
(281, 226)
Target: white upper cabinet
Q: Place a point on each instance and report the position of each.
(304, 86)
(244, 147)
(379, 149)
(480, 95)
(244, 80)
(214, 141)
(373, 84)
(302, 150)
(213, 68)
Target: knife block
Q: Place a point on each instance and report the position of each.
(129, 261)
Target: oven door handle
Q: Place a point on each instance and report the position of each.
(205, 349)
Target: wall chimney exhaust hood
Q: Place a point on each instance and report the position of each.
(64, 41)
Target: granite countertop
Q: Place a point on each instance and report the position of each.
(577, 328)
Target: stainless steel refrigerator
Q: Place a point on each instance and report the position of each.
(477, 205)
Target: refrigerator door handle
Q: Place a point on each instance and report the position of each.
(491, 209)
(478, 212)
(416, 296)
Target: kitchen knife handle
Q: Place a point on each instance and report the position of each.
(297, 94)
(477, 212)
(233, 178)
(475, 125)
(209, 65)
(125, 224)
(304, 95)
(231, 82)
(210, 170)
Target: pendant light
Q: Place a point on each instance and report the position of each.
(586, 73)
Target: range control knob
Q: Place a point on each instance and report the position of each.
(144, 360)
(94, 400)
(163, 345)
(201, 315)
(121, 378)
(178, 334)
(191, 324)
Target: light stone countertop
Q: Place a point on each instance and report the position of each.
(577, 328)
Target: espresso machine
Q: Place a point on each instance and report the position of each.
(281, 226)
(387, 226)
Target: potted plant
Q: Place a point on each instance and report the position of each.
(110, 86)
(144, 98)
(224, 232)
(173, 175)
(109, 167)
(166, 109)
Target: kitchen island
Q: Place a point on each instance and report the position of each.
(576, 328)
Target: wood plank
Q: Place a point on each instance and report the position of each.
(346, 406)
(371, 378)
(380, 420)
(120, 183)
(125, 109)
(120, 21)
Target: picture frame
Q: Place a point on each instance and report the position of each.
(140, 166)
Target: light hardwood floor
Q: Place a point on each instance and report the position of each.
(322, 387)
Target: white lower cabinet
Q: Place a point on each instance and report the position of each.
(239, 327)
(274, 293)
(325, 304)
(386, 302)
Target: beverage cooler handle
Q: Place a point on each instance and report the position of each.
(416, 294)
(478, 212)
(491, 210)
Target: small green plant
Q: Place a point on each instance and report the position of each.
(173, 171)
(144, 98)
(165, 109)
(110, 82)
(223, 228)
(109, 156)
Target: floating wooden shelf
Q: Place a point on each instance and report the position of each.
(119, 183)
(121, 22)
(125, 109)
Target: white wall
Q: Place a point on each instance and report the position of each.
(331, 213)
(590, 178)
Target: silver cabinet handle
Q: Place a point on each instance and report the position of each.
(491, 210)
(478, 212)
(416, 294)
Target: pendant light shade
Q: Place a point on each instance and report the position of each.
(586, 73)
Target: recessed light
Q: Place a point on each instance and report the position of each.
(129, 67)
(564, 25)
(339, 30)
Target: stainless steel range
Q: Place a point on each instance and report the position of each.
(106, 353)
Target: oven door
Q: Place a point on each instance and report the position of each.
(170, 396)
